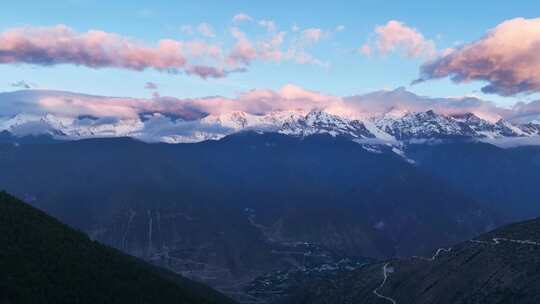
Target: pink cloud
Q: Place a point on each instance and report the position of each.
(366, 50)
(206, 30)
(507, 58)
(312, 35)
(397, 36)
(205, 72)
(261, 101)
(241, 17)
(257, 102)
(96, 49)
(270, 49)
(269, 25)
(243, 51)
(150, 85)
(186, 29)
(92, 105)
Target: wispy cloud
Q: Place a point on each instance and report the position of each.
(313, 35)
(186, 29)
(242, 17)
(269, 25)
(206, 30)
(277, 46)
(150, 85)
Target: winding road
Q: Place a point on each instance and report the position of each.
(497, 241)
(437, 253)
(386, 270)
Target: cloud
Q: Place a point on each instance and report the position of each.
(313, 35)
(269, 25)
(242, 17)
(258, 102)
(507, 58)
(512, 142)
(158, 127)
(146, 13)
(206, 30)
(270, 49)
(150, 85)
(186, 29)
(274, 47)
(22, 84)
(172, 119)
(400, 101)
(366, 50)
(57, 45)
(205, 72)
(397, 36)
(60, 44)
(243, 52)
(525, 112)
(340, 28)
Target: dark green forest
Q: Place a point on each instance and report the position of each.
(45, 261)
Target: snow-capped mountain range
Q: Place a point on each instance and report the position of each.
(383, 117)
(151, 127)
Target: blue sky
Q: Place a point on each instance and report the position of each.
(446, 23)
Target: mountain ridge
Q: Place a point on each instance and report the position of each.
(410, 126)
(397, 116)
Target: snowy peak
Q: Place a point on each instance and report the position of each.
(154, 127)
(239, 120)
(319, 122)
(68, 127)
(530, 128)
(424, 125)
(430, 125)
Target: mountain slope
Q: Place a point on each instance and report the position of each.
(502, 266)
(505, 179)
(231, 210)
(44, 261)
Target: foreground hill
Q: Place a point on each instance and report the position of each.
(44, 261)
(502, 266)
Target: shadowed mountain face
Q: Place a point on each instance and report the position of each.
(44, 261)
(502, 266)
(505, 179)
(228, 211)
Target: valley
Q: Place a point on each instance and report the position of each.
(265, 214)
